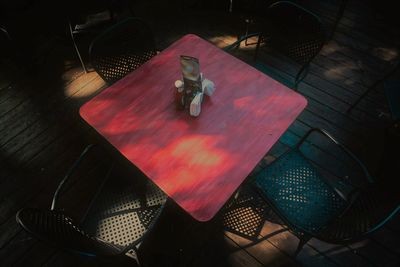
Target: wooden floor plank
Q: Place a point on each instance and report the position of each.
(375, 253)
(287, 243)
(19, 122)
(263, 251)
(387, 238)
(224, 252)
(340, 254)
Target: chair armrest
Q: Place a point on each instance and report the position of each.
(70, 171)
(343, 147)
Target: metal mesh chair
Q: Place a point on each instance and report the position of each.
(251, 12)
(121, 214)
(373, 205)
(297, 190)
(293, 32)
(92, 18)
(312, 207)
(121, 49)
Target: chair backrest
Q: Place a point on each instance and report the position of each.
(57, 229)
(374, 205)
(121, 49)
(294, 31)
(371, 209)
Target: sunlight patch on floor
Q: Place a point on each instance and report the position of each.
(225, 40)
(330, 48)
(85, 86)
(385, 53)
(338, 72)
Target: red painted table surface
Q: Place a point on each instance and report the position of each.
(198, 162)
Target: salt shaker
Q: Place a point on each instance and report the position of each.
(179, 95)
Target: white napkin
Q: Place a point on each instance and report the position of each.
(195, 106)
(208, 87)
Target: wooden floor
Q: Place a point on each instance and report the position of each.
(41, 134)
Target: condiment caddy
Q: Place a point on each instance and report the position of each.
(185, 102)
(190, 91)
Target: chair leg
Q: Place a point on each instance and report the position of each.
(301, 75)
(247, 21)
(302, 242)
(99, 189)
(76, 47)
(358, 100)
(134, 255)
(393, 70)
(257, 47)
(237, 194)
(338, 17)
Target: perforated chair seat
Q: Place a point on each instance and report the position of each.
(124, 211)
(244, 215)
(298, 192)
(113, 68)
(121, 49)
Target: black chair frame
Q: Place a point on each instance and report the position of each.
(130, 250)
(303, 235)
(73, 32)
(69, 174)
(302, 73)
(263, 37)
(249, 20)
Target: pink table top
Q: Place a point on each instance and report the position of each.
(198, 162)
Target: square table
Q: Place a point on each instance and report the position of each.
(197, 161)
